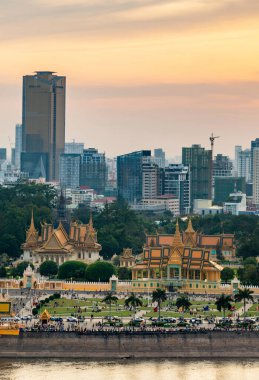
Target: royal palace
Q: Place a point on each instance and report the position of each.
(77, 242)
(184, 261)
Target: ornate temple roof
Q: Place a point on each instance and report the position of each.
(32, 234)
(189, 228)
(177, 240)
(58, 240)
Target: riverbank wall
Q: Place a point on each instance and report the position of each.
(213, 344)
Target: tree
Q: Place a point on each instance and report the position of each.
(48, 268)
(159, 296)
(249, 274)
(124, 273)
(109, 299)
(227, 274)
(133, 301)
(2, 272)
(116, 261)
(100, 271)
(183, 302)
(18, 271)
(223, 303)
(72, 269)
(244, 295)
(16, 203)
(119, 227)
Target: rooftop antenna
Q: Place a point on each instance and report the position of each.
(212, 139)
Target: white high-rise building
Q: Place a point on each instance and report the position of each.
(243, 163)
(18, 145)
(238, 148)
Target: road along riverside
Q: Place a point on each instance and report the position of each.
(209, 344)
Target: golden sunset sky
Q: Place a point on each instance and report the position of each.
(140, 74)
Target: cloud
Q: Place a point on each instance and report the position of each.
(117, 18)
(237, 91)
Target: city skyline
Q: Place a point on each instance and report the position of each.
(160, 75)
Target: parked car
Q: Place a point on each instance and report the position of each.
(137, 322)
(56, 319)
(72, 319)
(26, 318)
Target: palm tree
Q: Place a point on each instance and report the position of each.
(109, 299)
(159, 296)
(244, 295)
(134, 301)
(183, 302)
(224, 303)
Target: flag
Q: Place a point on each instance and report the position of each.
(155, 309)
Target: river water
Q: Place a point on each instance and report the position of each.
(129, 370)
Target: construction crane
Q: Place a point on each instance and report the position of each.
(212, 139)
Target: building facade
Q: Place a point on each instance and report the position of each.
(93, 170)
(18, 145)
(222, 166)
(159, 204)
(159, 157)
(256, 176)
(243, 162)
(227, 185)
(200, 162)
(74, 147)
(254, 145)
(43, 120)
(69, 171)
(151, 179)
(3, 155)
(127, 259)
(130, 175)
(177, 182)
(236, 203)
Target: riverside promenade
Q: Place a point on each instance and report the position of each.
(131, 344)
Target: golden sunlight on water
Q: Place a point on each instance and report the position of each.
(129, 370)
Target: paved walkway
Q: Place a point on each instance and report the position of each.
(240, 311)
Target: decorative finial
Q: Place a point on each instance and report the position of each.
(177, 241)
(32, 226)
(91, 221)
(190, 227)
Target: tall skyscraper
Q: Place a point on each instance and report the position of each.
(93, 170)
(222, 166)
(159, 157)
(18, 145)
(254, 144)
(43, 120)
(3, 155)
(151, 179)
(238, 149)
(130, 175)
(243, 164)
(256, 175)
(177, 182)
(200, 161)
(138, 177)
(69, 170)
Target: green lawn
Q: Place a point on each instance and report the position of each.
(67, 307)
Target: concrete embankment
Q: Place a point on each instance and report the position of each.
(213, 344)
